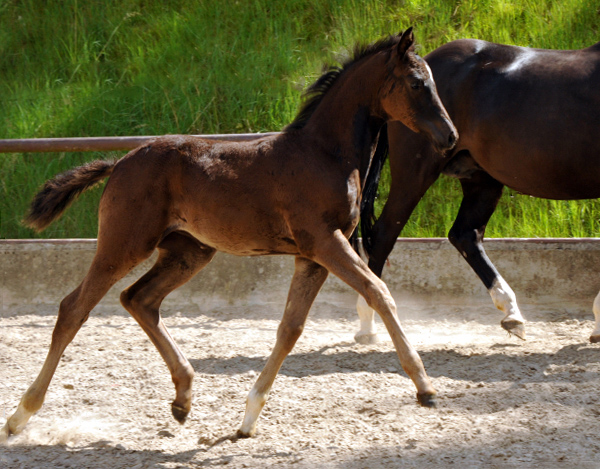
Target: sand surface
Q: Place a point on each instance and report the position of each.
(336, 404)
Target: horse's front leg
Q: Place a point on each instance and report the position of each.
(339, 258)
(480, 196)
(414, 167)
(306, 283)
(386, 230)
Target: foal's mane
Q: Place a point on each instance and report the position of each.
(315, 92)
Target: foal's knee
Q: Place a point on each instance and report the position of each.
(71, 316)
(290, 329)
(289, 332)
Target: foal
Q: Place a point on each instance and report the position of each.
(297, 193)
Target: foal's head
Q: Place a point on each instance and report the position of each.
(409, 95)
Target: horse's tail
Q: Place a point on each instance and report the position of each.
(367, 207)
(58, 193)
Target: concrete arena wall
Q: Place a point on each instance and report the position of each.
(423, 274)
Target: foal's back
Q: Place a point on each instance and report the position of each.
(244, 198)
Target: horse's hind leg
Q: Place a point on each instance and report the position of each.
(180, 258)
(306, 283)
(73, 312)
(340, 259)
(481, 194)
(595, 337)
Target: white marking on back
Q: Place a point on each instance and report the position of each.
(522, 59)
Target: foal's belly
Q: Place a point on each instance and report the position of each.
(247, 234)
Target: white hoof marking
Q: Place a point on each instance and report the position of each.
(505, 300)
(254, 404)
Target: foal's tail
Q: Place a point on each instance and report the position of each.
(367, 206)
(58, 193)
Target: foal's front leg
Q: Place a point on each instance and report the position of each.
(340, 259)
(306, 283)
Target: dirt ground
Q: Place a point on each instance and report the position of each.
(335, 404)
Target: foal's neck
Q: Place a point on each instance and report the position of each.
(349, 118)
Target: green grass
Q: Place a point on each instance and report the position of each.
(92, 68)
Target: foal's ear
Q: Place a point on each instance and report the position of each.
(406, 41)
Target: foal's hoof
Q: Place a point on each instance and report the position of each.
(427, 400)
(179, 413)
(594, 339)
(4, 433)
(241, 434)
(512, 326)
(366, 339)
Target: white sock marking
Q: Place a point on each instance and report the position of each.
(505, 300)
(366, 314)
(254, 404)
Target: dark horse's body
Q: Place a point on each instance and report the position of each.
(528, 119)
(297, 193)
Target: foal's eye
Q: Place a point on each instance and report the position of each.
(416, 85)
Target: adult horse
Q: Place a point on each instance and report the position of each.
(528, 119)
(298, 193)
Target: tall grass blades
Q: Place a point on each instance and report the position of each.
(73, 68)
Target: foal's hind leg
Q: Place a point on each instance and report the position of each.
(73, 312)
(340, 259)
(306, 283)
(180, 258)
(481, 194)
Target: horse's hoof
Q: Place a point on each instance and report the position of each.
(427, 400)
(595, 339)
(366, 339)
(179, 413)
(515, 327)
(241, 434)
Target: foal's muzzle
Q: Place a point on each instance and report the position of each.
(444, 136)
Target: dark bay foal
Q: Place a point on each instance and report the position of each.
(298, 193)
